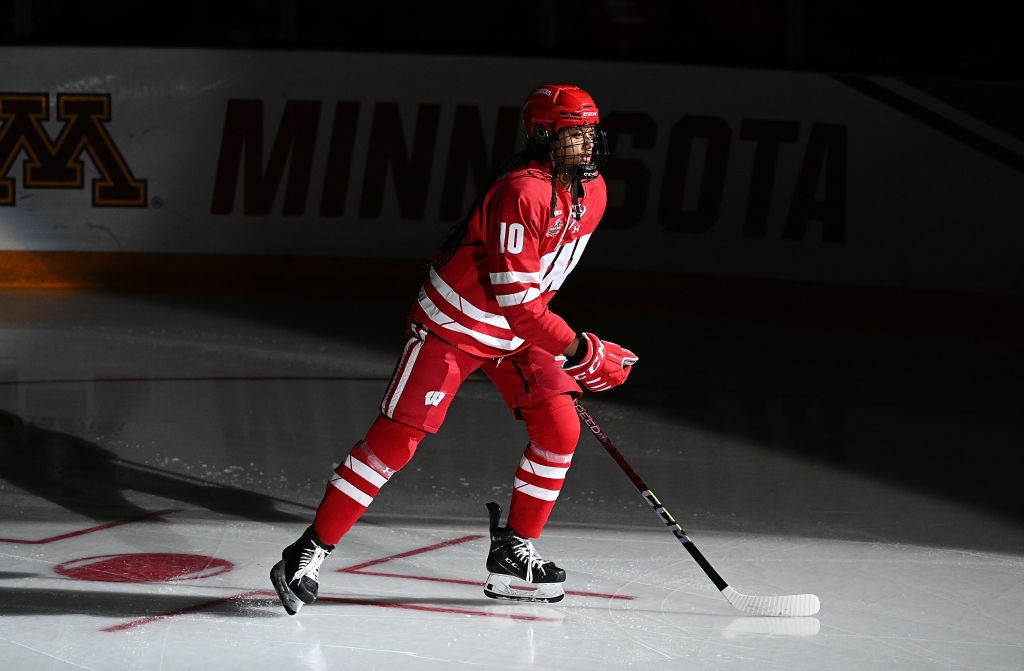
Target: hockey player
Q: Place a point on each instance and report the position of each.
(484, 305)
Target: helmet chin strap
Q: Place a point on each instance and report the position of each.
(577, 174)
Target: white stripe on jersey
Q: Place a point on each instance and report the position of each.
(525, 296)
(464, 306)
(515, 277)
(444, 321)
(535, 491)
(557, 265)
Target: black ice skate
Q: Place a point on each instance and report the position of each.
(513, 558)
(297, 576)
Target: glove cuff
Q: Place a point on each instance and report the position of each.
(594, 354)
(581, 352)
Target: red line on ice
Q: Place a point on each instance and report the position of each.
(182, 611)
(82, 532)
(479, 584)
(358, 569)
(410, 553)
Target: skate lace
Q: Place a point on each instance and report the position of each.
(525, 553)
(309, 564)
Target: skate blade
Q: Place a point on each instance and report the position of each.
(291, 603)
(500, 587)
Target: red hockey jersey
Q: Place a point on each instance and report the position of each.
(491, 297)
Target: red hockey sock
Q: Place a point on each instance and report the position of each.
(554, 430)
(388, 446)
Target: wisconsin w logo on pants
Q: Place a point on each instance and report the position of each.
(58, 163)
(433, 398)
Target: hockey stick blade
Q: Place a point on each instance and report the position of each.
(790, 605)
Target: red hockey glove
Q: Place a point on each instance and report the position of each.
(605, 365)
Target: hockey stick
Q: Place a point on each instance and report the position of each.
(790, 605)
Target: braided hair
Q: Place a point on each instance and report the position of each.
(534, 151)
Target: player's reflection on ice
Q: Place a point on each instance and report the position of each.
(525, 644)
(771, 626)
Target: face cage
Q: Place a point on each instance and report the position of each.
(599, 153)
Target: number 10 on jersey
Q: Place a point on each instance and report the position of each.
(510, 238)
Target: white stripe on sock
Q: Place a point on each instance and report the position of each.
(553, 472)
(353, 492)
(365, 472)
(535, 491)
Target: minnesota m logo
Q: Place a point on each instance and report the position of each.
(57, 164)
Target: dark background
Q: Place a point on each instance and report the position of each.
(805, 361)
(975, 40)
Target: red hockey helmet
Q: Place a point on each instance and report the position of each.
(552, 107)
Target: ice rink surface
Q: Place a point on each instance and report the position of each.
(158, 452)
